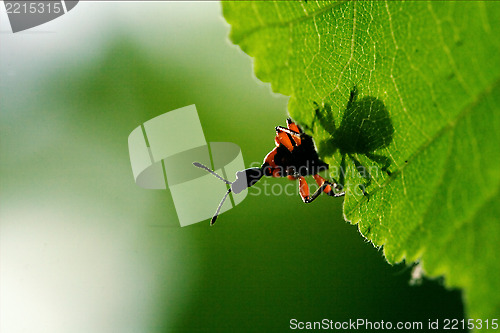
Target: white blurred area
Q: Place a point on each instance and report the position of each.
(80, 32)
(68, 261)
(58, 275)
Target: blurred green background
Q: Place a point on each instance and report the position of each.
(83, 249)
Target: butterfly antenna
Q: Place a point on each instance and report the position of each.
(212, 221)
(201, 166)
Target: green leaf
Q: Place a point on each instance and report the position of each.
(424, 121)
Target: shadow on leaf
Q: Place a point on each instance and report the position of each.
(365, 127)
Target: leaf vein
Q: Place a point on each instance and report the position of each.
(299, 19)
(449, 126)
